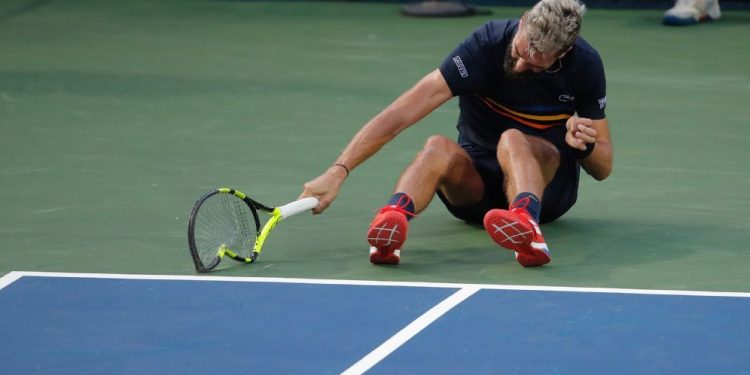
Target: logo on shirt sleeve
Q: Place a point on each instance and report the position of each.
(461, 68)
(602, 102)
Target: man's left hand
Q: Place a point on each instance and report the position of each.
(580, 132)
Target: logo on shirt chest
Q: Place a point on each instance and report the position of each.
(566, 98)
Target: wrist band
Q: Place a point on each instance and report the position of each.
(580, 155)
(343, 166)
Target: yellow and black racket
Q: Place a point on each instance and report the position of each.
(225, 222)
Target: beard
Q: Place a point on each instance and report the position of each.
(509, 66)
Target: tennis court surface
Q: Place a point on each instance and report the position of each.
(143, 324)
(117, 115)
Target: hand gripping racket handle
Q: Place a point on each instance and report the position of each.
(293, 208)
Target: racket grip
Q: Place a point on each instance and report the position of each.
(302, 205)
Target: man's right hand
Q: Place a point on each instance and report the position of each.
(325, 187)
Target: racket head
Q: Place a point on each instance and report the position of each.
(222, 222)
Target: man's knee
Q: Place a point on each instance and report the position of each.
(510, 140)
(439, 150)
(437, 147)
(514, 140)
(438, 142)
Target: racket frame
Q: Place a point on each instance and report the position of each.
(222, 250)
(277, 215)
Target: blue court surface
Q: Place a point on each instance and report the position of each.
(59, 323)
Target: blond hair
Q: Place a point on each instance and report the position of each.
(552, 26)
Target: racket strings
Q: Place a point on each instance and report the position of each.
(238, 233)
(223, 222)
(243, 220)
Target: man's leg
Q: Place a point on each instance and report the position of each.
(529, 163)
(692, 12)
(441, 165)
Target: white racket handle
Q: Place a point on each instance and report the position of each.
(302, 205)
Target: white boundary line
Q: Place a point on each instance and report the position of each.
(15, 275)
(411, 330)
(10, 278)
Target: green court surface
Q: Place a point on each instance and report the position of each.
(117, 115)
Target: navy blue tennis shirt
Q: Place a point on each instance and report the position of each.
(539, 104)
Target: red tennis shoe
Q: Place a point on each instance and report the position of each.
(387, 235)
(517, 231)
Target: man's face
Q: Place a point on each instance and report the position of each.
(520, 63)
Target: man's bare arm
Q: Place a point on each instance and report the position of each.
(582, 132)
(413, 105)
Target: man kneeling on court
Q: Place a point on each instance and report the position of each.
(531, 98)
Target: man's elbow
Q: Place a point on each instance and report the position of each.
(599, 164)
(600, 174)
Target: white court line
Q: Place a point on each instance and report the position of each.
(10, 278)
(14, 275)
(411, 330)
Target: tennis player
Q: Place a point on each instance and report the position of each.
(532, 101)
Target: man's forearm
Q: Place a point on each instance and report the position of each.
(599, 163)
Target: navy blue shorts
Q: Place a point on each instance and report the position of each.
(559, 196)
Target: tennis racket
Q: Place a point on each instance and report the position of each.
(225, 222)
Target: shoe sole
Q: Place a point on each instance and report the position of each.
(508, 231)
(380, 257)
(386, 238)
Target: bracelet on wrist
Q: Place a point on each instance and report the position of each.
(343, 166)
